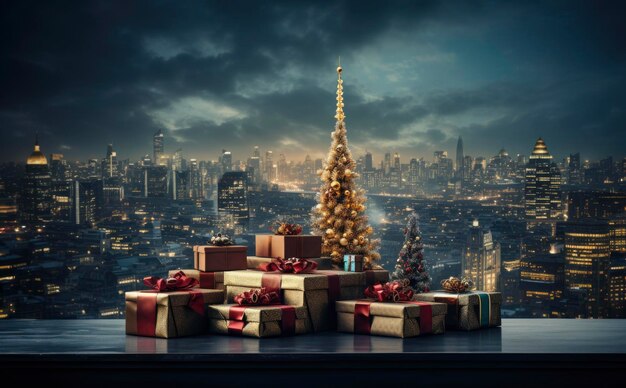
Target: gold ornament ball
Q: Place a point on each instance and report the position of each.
(343, 242)
(281, 229)
(348, 172)
(330, 232)
(339, 69)
(353, 213)
(346, 193)
(355, 242)
(335, 185)
(345, 235)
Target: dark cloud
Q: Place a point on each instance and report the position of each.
(231, 74)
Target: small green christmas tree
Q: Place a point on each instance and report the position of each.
(410, 264)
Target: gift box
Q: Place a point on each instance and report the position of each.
(316, 291)
(469, 310)
(208, 280)
(258, 321)
(301, 246)
(254, 262)
(401, 319)
(211, 258)
(169, 314)
(353, 263)
(373, 276)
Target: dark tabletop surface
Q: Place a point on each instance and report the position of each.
(537, 336)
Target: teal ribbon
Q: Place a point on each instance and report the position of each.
(349, 263)
(484, 308)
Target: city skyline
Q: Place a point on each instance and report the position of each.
(210, 77)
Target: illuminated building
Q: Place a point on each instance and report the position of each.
(587, 262)
(35, 200)
(617, 233)
(542, 283)
(226, 160)
(158, 147)
(232, 197)
(542, 186)
(573, 169)
(109, 164)
(460, 160)
(617, 287)
(595, 204)
(481, 259)
(87, 199)
(155, 181)
(509, 282)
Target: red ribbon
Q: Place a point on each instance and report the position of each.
(363, 322)
(147, 300)
(287, 321)
(257, 297)
(178, 282)
(389, 292)
(293, 265)
(207, 280)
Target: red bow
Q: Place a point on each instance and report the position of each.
(257, 297)
(179, 281)
(293, 265)
(389, 292)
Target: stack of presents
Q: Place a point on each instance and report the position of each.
(287, 289)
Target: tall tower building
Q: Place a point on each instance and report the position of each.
(369, 162)
(35, 199)
(460, 159)
(542, 190)
(155, 181)
(481, 259)
(109, 164)
(227, 161)
(158, 147)
(587, 263)
(232, 197)
(87, 199)
(573, 169)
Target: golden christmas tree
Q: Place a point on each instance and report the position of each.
(340, 214)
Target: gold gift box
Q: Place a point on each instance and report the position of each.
(174, 318)
(259, 321)
(300, 290)
(391, 319)
(464, 310)
(285, 247)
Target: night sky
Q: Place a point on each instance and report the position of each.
(234, 74)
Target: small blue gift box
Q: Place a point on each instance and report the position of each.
(353, 263)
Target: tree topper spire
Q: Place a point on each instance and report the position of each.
(340, 116)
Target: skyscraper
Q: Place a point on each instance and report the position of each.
(35, 199)
(369, 162)
(481, 259)
(587, 263)
(87, 199)
(460, 159)
(158, 147)
(227, 161)
(232, 197)
(573, 169)
(109, 164)
(542, 186)
(155, 181)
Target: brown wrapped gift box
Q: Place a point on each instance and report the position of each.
(259, 321)
(373, 276)
(201, 276)
(464, 309)
(173, 316)
(301, 246)
(300, 290)
(391, 319)
(322, 263)
(210, 258)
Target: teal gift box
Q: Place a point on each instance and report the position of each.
(353, 263)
